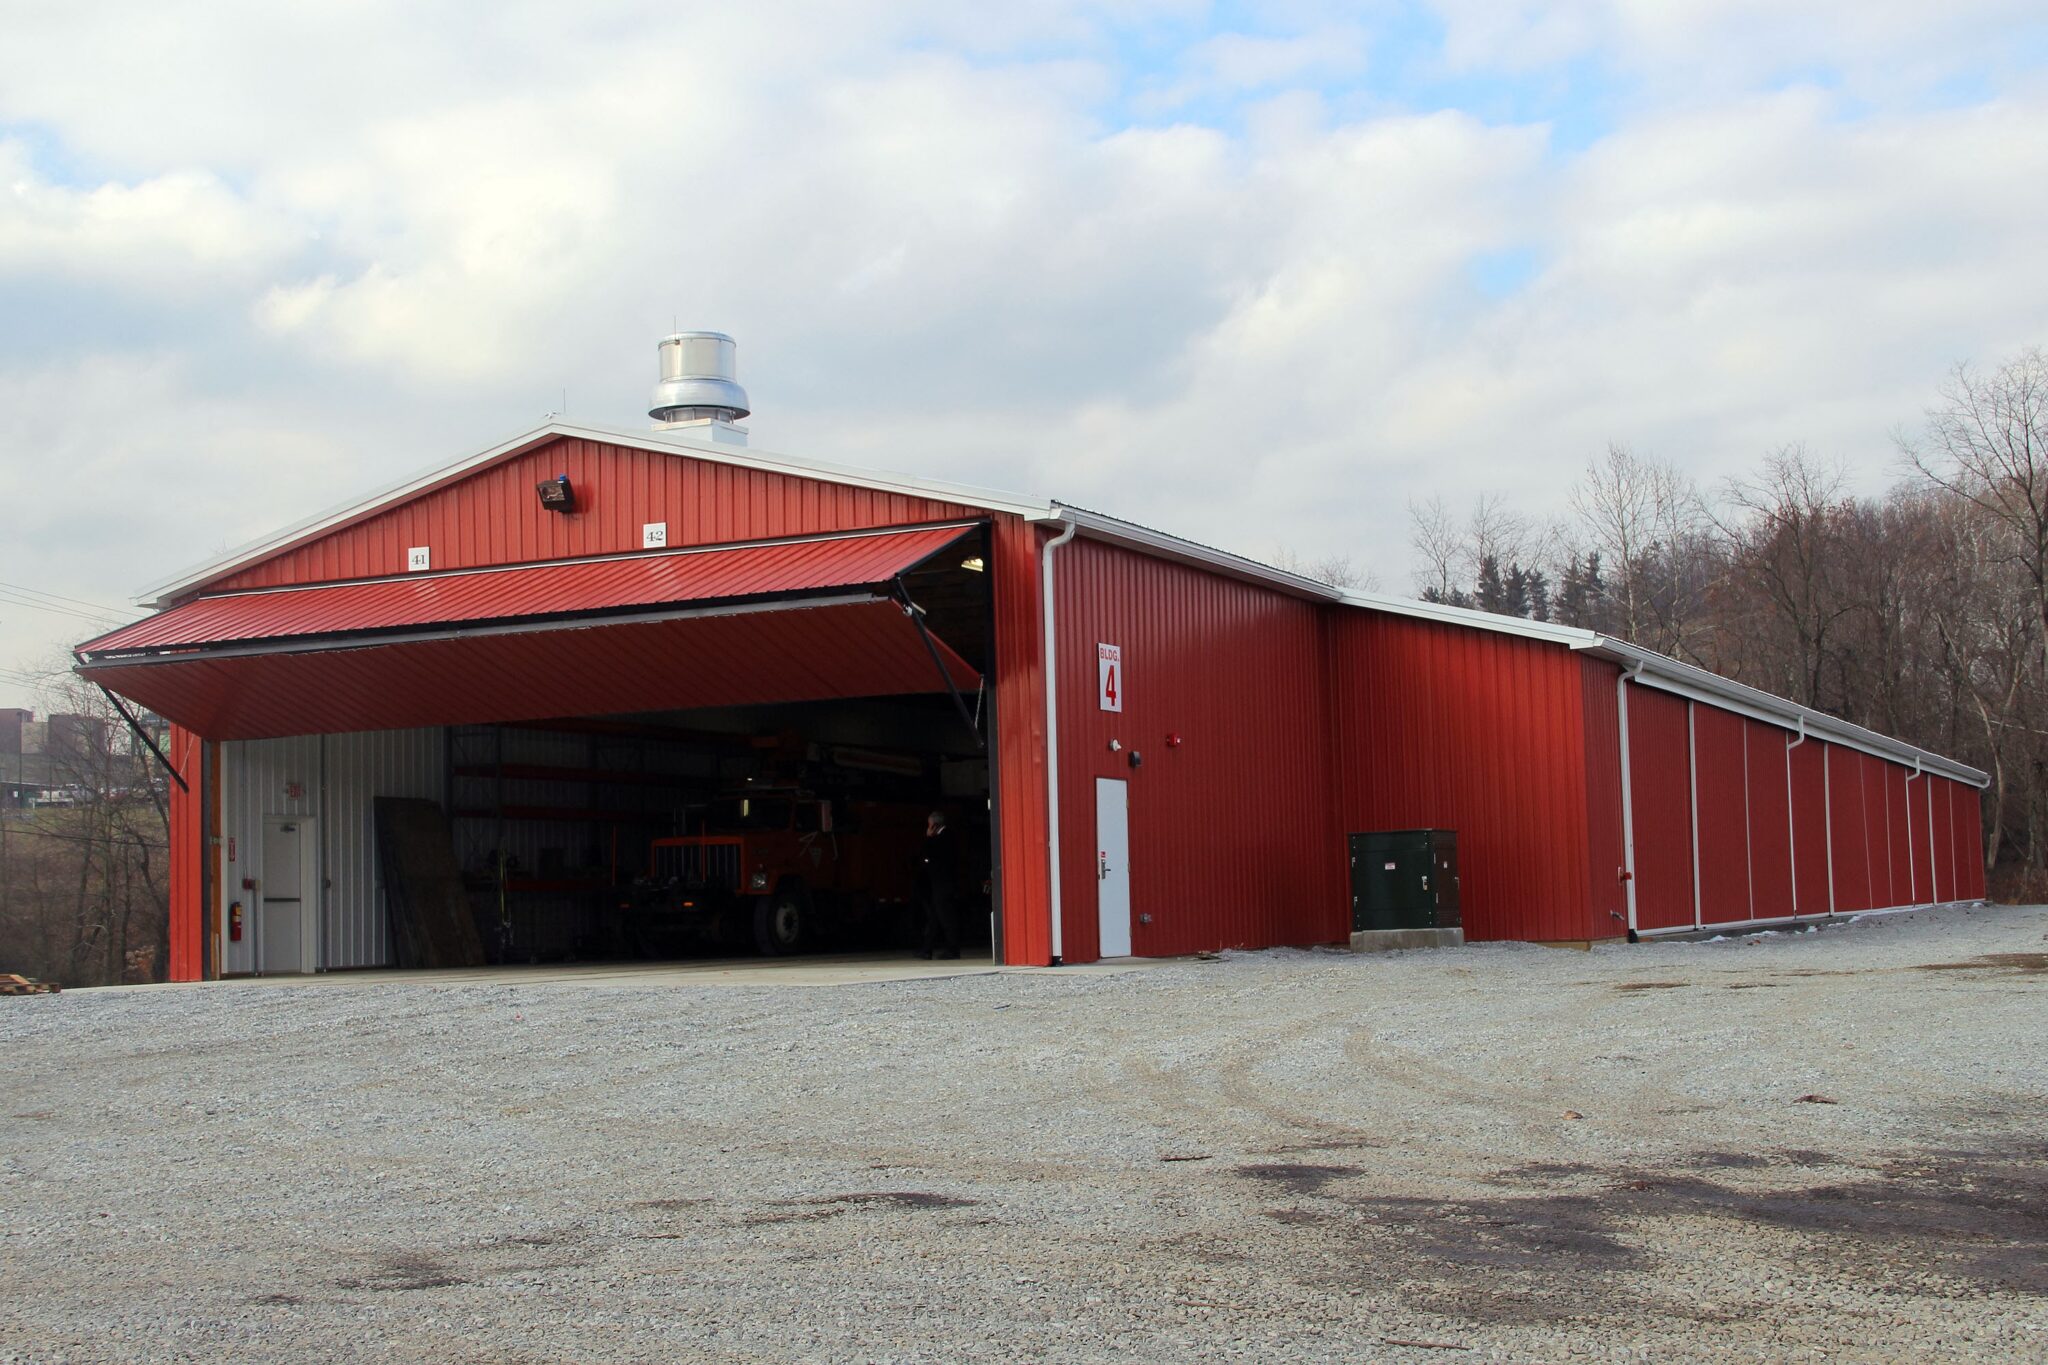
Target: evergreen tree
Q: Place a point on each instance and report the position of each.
(1489, 592)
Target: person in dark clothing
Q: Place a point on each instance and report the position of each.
(937, 892)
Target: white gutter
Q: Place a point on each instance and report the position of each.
(1697, 684)
(1052, 733)
(1791, 810)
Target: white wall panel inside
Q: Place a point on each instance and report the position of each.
(332, 779)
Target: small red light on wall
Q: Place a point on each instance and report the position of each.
(1173, 739)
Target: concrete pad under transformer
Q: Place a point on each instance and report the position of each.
(1391, 940)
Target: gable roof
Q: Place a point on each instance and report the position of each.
(347, 514)
(1641, 665)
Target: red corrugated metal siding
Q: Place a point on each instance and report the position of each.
(1878, 831)
(1720, 787)
(863, 649)
(187, 856)
(1439, 726)
(1230, 838)
(546, 590)
(1020, 770)
(493, 516)
(1770, 822)
(1899, 833)
(1966, 829)
(1660, 790)
(1848, 832)
(1809, 826)
(1920, 837)
(1605, 856)
(1942, 802)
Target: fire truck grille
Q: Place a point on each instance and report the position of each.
(705, 865)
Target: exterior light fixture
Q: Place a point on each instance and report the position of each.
(557, 494)
(974, 564)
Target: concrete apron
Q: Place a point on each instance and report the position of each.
(851, 969)
(1391, 940)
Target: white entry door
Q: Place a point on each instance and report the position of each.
(287, 908)
(1113, 866)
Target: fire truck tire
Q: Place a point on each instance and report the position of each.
(781, 921)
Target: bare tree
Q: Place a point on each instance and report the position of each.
(1783, 535)
(1987, 443)
(1339, 571)
(1439, 548)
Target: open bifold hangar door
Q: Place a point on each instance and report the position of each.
(807, 619)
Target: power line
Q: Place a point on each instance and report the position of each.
(95, 617)
(60, 597)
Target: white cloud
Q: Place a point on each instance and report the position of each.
(177, 229)
(1236, 63)
(390, 237)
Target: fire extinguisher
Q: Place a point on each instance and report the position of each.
(234, 922)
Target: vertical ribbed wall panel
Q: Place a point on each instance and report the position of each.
(1811, 872)
(1941, 803)
(1919, 818)
(337, 777)
(1967, 838)
(1605, 855)
(187, 836)
(1899, 833)
(1848, 831)
(494, 517)
(1438, 726)
(256, 776)
(358, 768)
(1231, 844)
(1770, 822)
(1660, 792)
(1019, 781)
(1877, 823)
(1721, 787)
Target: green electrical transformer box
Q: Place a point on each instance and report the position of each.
(1404, 879)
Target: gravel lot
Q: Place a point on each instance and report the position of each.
(1504, 1153)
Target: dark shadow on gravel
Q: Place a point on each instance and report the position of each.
(1297, 1179)
(1977, 1219)
(403, 1273)
(2018, 963)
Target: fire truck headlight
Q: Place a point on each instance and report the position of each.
(758, 882)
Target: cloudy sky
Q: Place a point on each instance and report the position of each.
(1259, 274)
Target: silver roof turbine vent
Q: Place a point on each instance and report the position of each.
(698, 388)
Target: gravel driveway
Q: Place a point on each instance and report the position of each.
(1824, 1146)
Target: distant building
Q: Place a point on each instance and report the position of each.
(12, 721)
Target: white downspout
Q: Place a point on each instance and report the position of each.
(1792, 815)
(1052, 733)
(1628, 810)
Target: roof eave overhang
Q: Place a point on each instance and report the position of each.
(1096, 526)
(88, 660)
(1670, 675)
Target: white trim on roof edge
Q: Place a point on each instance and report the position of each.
(1655, 669)
(1685, 680)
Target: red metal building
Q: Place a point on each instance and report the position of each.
(1200, 731)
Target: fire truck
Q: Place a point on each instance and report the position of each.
(781, 871)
